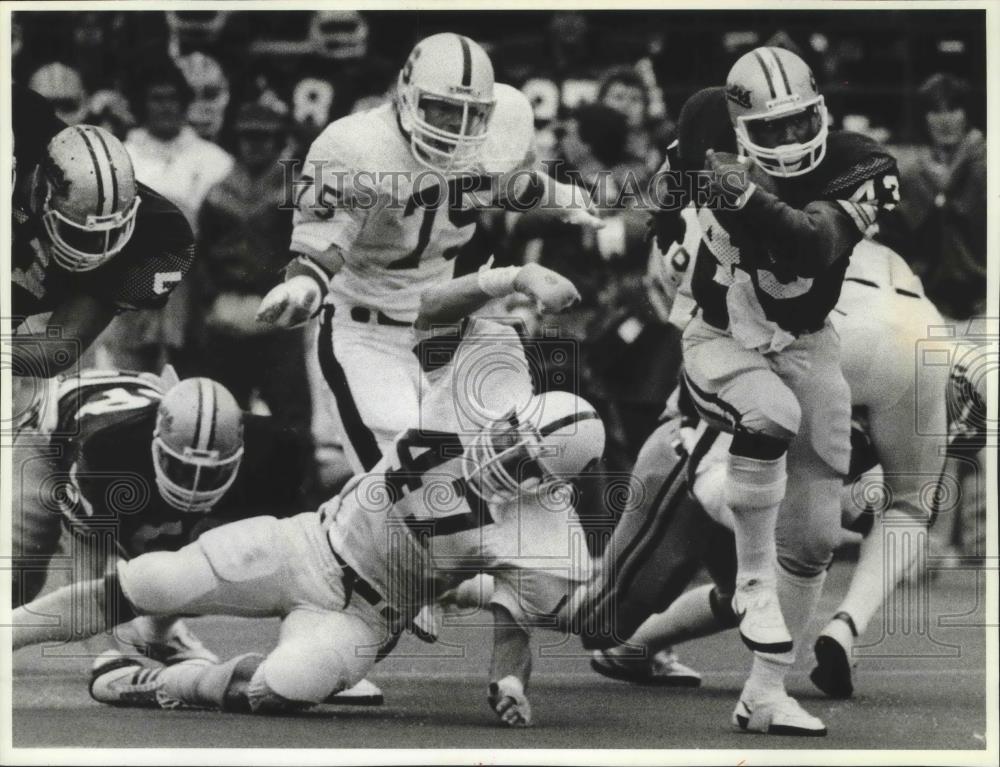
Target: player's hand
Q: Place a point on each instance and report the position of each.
(553, 292)
(291, 303)
(730, 173)
(576, 205)
(508, 700)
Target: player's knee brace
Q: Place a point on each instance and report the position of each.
(113, 603)
(755, 476)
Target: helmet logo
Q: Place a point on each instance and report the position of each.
(739, 95)
(408, 69)
(55, 175)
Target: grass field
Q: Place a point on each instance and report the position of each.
(922, 689)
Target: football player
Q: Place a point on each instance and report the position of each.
(89, 240)
(385, 205)
(779, 222)
(474, 487)
(140, 463)
(884, 322)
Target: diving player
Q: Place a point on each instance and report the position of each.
(473, 487)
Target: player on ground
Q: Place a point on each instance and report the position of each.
(387, 201)
(761, 359)
(884, 322)
(139, 463)
(459, 493)
(448, 500)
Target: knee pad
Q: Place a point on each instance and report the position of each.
(254, 695)
(753, 483)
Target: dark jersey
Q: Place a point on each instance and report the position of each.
(856, 174)
(142, 276)
(106, 423)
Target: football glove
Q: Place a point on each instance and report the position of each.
(508, 700)
(553, 292)
(291, 303)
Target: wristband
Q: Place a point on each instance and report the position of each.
(498, 282)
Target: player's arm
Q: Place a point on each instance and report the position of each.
(458, 298)
(807, 241)
(510, 669)
(72, 328)
(329, 214)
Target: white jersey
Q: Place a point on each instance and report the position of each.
(413, 528)
(397, 224)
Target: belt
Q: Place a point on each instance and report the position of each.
(366, 315)
(354, 582)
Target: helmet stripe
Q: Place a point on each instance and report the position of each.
(197, 417)
(114, 176)
(767, 72)
(213, 417)
(101, 200)
(206, 414)
(466, 61)
(557, 424)
(781, 69)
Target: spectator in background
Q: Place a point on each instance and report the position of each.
(172, 159)
(63, 87)
(627, 359)
(623, 90)
(210, 94)
(941, 229)
(243, 243)
(168, 154)
(110, 110)
(941, 226)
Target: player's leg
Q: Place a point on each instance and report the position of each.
(912, 460)
(235, 569)
(37, 522)
(374, 377)
(808, 527)
(730, 384)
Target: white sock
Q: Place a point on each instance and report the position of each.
(689, 617)
(888, 555)
(754, 491)
(798, 596)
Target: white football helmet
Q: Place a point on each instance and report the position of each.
(558, 436)
(85, 192)
(197, 445)
(444, 97)
(210, 87)
(779, 116)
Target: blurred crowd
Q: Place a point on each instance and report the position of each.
(209, 102)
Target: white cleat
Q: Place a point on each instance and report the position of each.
(781, 715)
(364, 693)
(662, 670)
(117, 680)
(176, 645)
(762, 626)
(834, 667)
